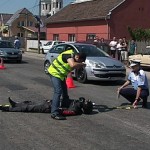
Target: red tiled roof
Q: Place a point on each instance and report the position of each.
(90, 10)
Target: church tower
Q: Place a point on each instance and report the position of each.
(50, 7)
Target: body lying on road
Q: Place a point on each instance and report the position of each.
(76, 107)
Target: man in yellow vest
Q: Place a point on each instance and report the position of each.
(58, 70)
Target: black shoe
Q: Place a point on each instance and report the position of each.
(5, 107)
(58, 117)
(1, 107)
(13, 104)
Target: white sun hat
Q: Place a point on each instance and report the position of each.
(135, 62)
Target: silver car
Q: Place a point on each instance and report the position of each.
(8, 52)
(99, 65)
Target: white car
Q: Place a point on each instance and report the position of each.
(46, 47)
(99, 65)
(144, 57)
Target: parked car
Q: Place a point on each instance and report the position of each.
(99, 65)
(104, 46)
(46, 47)
(8, 52)
(144, 57)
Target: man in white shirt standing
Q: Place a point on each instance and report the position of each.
(17, 43)
(113, 45)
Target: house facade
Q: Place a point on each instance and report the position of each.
(98, 18)
(22, 18)
(50, 7)
(3, 19)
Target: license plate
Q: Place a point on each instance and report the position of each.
(13, 56)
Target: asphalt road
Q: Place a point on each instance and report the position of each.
(106, 129)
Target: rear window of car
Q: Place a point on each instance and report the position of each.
(91, 51)
(5, 44)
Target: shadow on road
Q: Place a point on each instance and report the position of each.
(15, 62)
(105, 108)
(106, 83)
(102, 108)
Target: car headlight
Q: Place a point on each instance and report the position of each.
(96, 64)
(20, 52)
(1, 52)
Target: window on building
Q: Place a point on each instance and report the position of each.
(30, 23)
(43, 6)
(50, 7)
(21, 23)
(56, 37)
(46, 6)
(53, 5)
(71, 37)
(57, 4)
(60, 5)
(20, 34)
(90, 36)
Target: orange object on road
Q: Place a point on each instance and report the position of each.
(69, 81)
(2, 64)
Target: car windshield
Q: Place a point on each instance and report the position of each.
(48, 43)
(5, 44)
(91, 51)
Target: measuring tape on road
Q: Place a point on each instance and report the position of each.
(127, 107)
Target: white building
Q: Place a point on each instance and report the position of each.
(79, 1)
(50, 7)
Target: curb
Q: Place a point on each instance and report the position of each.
(33, 55)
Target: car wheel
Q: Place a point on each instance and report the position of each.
(46, 66)
(81, 75)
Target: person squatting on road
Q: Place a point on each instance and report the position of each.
(139, 90)
(58, 70)
(76, 107)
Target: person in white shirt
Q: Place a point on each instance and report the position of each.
(17, 43)
(113, 45)
(140, 88)
(119, 49)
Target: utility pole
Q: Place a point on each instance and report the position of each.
(39, 27)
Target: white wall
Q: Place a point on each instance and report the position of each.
(34, 44)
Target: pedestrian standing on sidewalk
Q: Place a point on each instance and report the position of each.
(124, 52)
(139, 90)
(17, 43)
(113, 45)
(58, 70)
(119, 49)
(132, 48)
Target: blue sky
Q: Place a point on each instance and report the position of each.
(11, 6)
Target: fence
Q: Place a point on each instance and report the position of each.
(142, 45)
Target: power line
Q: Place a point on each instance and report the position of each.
(36, 6)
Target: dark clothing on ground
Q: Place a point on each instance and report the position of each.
(76, 107)
(130, 95)
(28, 106)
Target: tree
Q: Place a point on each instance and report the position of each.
(139, 34)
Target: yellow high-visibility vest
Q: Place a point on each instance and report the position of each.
(58, 68)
